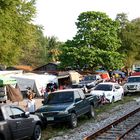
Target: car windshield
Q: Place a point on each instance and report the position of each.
(133, 79)
(60, 97)
(90, 78)
(104, 87)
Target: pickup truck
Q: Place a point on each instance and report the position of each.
(16, 124)
(66, 106)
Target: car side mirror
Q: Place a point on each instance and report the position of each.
(26, 114)
(12, 116)
(43, 102)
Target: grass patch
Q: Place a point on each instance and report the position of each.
(107, 107)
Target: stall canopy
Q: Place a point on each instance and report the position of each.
(12, 89)
(7, 81)
(37, 82)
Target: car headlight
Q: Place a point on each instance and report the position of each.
(63, 112)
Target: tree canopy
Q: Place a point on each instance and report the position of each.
(96, 43)
(129, 34)
(18, 36)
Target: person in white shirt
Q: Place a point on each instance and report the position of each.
(30, 104)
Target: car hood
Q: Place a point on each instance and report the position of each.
(54, 107)
(99, 92)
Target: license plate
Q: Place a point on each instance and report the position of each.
(50, 118)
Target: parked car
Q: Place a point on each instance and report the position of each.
(111, 91)
(132, 85)
(90, 81)
(66, 106)
(17, 124)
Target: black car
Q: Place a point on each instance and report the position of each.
(66, 106)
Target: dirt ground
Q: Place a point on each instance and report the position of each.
(22, 104)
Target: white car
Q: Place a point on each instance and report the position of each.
(111, 91)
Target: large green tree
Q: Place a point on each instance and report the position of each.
(18, 36)
(95, 44)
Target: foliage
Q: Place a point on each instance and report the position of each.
(53, 46)
(34, 52)
(129, 35)
(18, 39)
(122, 18)
(96, 43)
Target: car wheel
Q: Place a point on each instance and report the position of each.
(37, 133)
(91, 113)
(73, 120)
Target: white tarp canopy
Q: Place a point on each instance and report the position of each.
(37, 82)
(10, 72)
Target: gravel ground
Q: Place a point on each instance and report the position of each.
(102, 120)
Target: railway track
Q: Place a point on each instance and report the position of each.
(121, 129)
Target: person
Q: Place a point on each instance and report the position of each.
(30, 103)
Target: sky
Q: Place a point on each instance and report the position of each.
(58, 17)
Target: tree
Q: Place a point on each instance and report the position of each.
(95, 42)
(17, 33)
(122, 18)
(53, 47)
(129, 34)
(35, 52)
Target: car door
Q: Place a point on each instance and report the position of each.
(20, 125)
(85, 102)
(78, 103)
(81, 104)
(117, 88)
